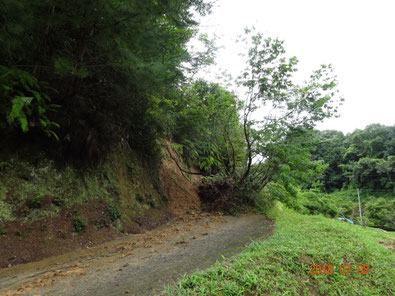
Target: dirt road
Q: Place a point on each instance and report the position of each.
(138, 264)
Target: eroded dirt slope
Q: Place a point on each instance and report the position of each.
(181, 188)
(132, 195)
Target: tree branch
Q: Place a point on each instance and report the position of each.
(179, 167)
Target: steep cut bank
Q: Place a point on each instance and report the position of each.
(54, 209)
(179, 187)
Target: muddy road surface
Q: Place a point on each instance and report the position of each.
(142, 264)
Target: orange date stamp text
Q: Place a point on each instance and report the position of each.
(342, 269)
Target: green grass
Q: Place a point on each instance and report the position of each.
(281, 265)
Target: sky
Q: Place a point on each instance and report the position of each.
(357, 37)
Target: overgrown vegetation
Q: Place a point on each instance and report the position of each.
(360, 160)
(240, 153)
(100, 65)
(36, 202)
(377, 210)
(37, 189)
(282, 264)
(113, 212)
(104, 73)
(78, 224)
(364, 158)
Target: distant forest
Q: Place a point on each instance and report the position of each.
(364, 158)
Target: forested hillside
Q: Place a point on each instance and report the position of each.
(82, 136)
(96, 75)
(86, 74)
(361, 162)
(364, 158)
(98, 97)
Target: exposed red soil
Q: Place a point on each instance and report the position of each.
(180, 188)
(25, 242)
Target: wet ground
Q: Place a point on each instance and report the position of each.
(140, 264)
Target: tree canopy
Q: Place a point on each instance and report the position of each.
(97, 63)
(363, 158)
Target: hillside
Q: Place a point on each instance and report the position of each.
(115, 120)
(55, 209)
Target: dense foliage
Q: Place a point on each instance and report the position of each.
(102, 62)
(203, 119)
(364, 158)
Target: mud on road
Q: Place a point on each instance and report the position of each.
(142, 264)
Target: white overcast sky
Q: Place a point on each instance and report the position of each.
(357, 37)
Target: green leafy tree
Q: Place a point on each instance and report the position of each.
(373, 173)
(203, 117)
(363, 158)
(276, 138)
(23, 104)
(103, 60)
(375, 141)
(330, 148)
(381, 213)
(277, 117)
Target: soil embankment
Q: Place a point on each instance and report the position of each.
(57, 210)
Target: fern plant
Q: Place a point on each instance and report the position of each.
(22, 103)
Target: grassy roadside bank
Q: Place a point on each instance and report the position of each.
(282, 264)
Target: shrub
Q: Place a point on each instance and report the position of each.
(152, 203)
(381, 213)
(312, 202)
(139, 197)
(99, 224)
(165, 198)
(78, 224)
(36, 202)
(264, 203)
(3, 164)
(317, 203)
(113, 212)
(286, 195)
(329, 207)
(23, 102)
